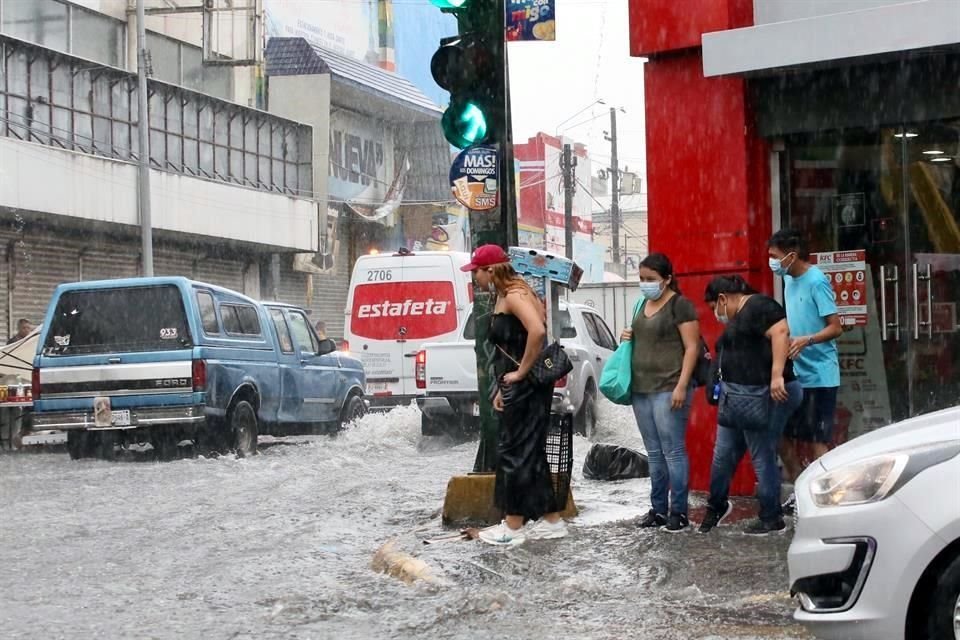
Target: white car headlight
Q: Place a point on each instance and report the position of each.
(873, 479)
(865, 481)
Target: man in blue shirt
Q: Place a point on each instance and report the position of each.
(814, 328)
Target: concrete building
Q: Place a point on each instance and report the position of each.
(231, 186)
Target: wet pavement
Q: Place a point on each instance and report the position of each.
(280, 546)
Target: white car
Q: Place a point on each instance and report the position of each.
(876, 552)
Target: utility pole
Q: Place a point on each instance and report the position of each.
(143, 128)
(614, 187)
(569, 167)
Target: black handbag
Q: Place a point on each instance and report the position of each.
(551, 364)
(744, 406)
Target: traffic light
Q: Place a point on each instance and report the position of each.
(470, 67)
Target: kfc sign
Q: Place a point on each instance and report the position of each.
(408, 310)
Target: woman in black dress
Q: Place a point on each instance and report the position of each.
(524, 490)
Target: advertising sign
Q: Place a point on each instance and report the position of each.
(348, 28)
(424, 309)
(531, 20)
(847, 271)
(473, 178)
(863, 401)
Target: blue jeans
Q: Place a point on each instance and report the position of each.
(732, 444)
(664, 434)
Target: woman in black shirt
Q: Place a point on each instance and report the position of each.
(752, 352)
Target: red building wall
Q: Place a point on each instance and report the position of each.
(708, 174)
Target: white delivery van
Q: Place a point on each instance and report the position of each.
(396, 304)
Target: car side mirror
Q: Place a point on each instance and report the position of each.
(567, 333)
(325, 348)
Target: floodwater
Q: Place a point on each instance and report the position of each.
(280, 546)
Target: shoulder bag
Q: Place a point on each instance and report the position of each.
(551, 364)
(616, 379)
(743, 406)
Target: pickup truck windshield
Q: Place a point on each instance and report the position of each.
(118, 320)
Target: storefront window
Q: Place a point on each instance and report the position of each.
(894, 194)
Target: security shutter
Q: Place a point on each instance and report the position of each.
(222, 272)
(120, 261)
(41, 261)
(169, 261)
(5, 328)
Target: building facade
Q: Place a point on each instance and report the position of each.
(231, 186)
(542, 201)
(841, 119)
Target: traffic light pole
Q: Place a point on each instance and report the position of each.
(494, 227)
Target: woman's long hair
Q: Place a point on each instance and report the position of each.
(506, 280)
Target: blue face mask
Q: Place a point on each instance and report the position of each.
(652, 290)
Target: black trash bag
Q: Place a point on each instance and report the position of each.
(613, 462)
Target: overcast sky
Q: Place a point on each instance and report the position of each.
(590, 60)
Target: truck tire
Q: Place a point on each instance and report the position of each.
(164, 442)
(104, 444)
(78, 444)
(353, 410)
(242, 429)
(585, 422)
(430, 427)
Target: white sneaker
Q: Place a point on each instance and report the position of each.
(542, 529)
(503, 535)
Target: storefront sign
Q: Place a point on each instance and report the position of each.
(473, 177)
(849, 209)
(863, 401)
(531, 20)
(847, 271)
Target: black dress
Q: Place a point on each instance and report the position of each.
(523, 485)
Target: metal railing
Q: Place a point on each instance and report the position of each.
(59, 100)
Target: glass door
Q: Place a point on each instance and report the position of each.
(932, 195)
(889, 197)
(843, 191)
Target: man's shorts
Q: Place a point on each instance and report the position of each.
(813, 420)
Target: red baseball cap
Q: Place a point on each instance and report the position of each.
(486, 256)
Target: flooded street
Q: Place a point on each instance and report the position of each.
(280, 546)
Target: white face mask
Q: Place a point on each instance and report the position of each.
(652, 290)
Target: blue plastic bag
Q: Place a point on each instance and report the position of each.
(616, 379)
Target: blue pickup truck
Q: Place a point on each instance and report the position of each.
(165, 359)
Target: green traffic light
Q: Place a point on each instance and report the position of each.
(465, 125)
(449, 4)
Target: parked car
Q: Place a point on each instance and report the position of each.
(160, 360)
(447, 374)
(876, 552)
(397, 303)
